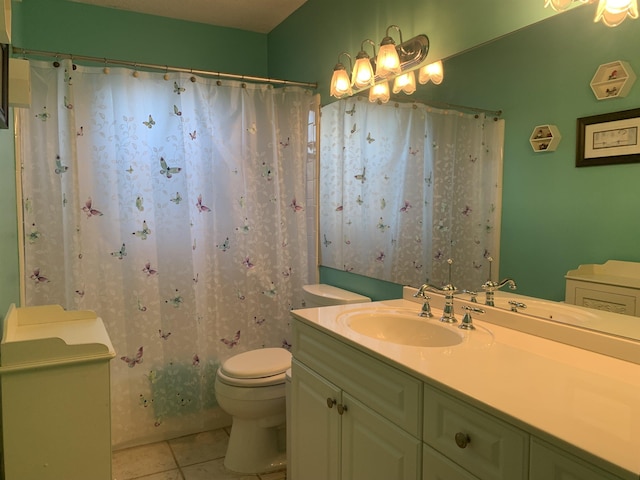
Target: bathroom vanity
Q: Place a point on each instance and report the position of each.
(495, 404)
(56, 410)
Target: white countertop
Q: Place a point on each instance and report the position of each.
(586, 399)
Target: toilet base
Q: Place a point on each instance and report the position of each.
(254, 449)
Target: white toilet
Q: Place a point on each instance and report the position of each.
(250, 387)
(322, 295)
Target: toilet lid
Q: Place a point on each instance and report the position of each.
(264, 362)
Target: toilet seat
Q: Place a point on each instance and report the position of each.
(256, 368)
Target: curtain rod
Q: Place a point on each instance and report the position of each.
(164, 68)
(436, 104)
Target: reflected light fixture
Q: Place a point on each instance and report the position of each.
(363, 75)
(433, 72)
(340, 83)
(611, 12)
(391, 61)
(380, 92)
(405, 83)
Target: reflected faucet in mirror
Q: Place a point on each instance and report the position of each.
(490, 286)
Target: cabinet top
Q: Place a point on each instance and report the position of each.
(612, 272)
(34, 337)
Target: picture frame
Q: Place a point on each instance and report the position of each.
(4, 85)
(608, 139)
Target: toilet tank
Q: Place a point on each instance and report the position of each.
(322, 295)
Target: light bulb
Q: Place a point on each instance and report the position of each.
(388, 62)
(379, 92)
(340, 84)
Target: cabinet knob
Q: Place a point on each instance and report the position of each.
(331, 402)
(462, 440)
(342, 408)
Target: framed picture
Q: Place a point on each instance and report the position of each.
(609, 139)
(4, 85)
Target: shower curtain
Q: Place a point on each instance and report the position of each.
(405, 187)
(174, 207)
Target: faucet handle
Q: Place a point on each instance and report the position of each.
(473, 295)
(426, 308)
(515, 305)
(467, 321)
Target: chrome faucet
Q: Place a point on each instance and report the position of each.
(490, 286)
(448, 290)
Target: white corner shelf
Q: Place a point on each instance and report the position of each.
(612, 80)
(545, 138)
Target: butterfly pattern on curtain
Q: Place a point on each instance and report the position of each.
(174, 207)
(405, 187)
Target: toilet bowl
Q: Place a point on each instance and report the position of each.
(251, 388)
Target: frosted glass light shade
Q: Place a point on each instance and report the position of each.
(613, 12)
(340, 83)
(388, 62)
(362, 75)
(433, 72)
(405, 83)
(379, 92)
(559, 5)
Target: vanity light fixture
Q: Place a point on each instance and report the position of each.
(433, 72)
(340, 83)
(363, 75)
(391, 62)
(611, 12)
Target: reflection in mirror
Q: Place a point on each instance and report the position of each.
(404, 187)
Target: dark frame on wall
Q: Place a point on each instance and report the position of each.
(4, 85)
(608, 139)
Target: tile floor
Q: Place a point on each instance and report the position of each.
(194, 457)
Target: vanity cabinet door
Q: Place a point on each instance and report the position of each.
(373, 448)
(438, 467)
(315, 426)
(550, 463)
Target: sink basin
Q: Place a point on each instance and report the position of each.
(402, 328)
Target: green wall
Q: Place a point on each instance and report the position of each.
(555, 216)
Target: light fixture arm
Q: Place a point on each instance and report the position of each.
(370, 42)
(386, 35)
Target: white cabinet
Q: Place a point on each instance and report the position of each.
(56, 417)
(613, 286)
(356, 417)
(550, 463)
(342, 429)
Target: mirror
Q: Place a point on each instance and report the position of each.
(555, 216)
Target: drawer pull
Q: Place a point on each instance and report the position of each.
(331, 402)
(462, 440)
(341, 408)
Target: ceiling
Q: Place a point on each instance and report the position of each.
(260, 16)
